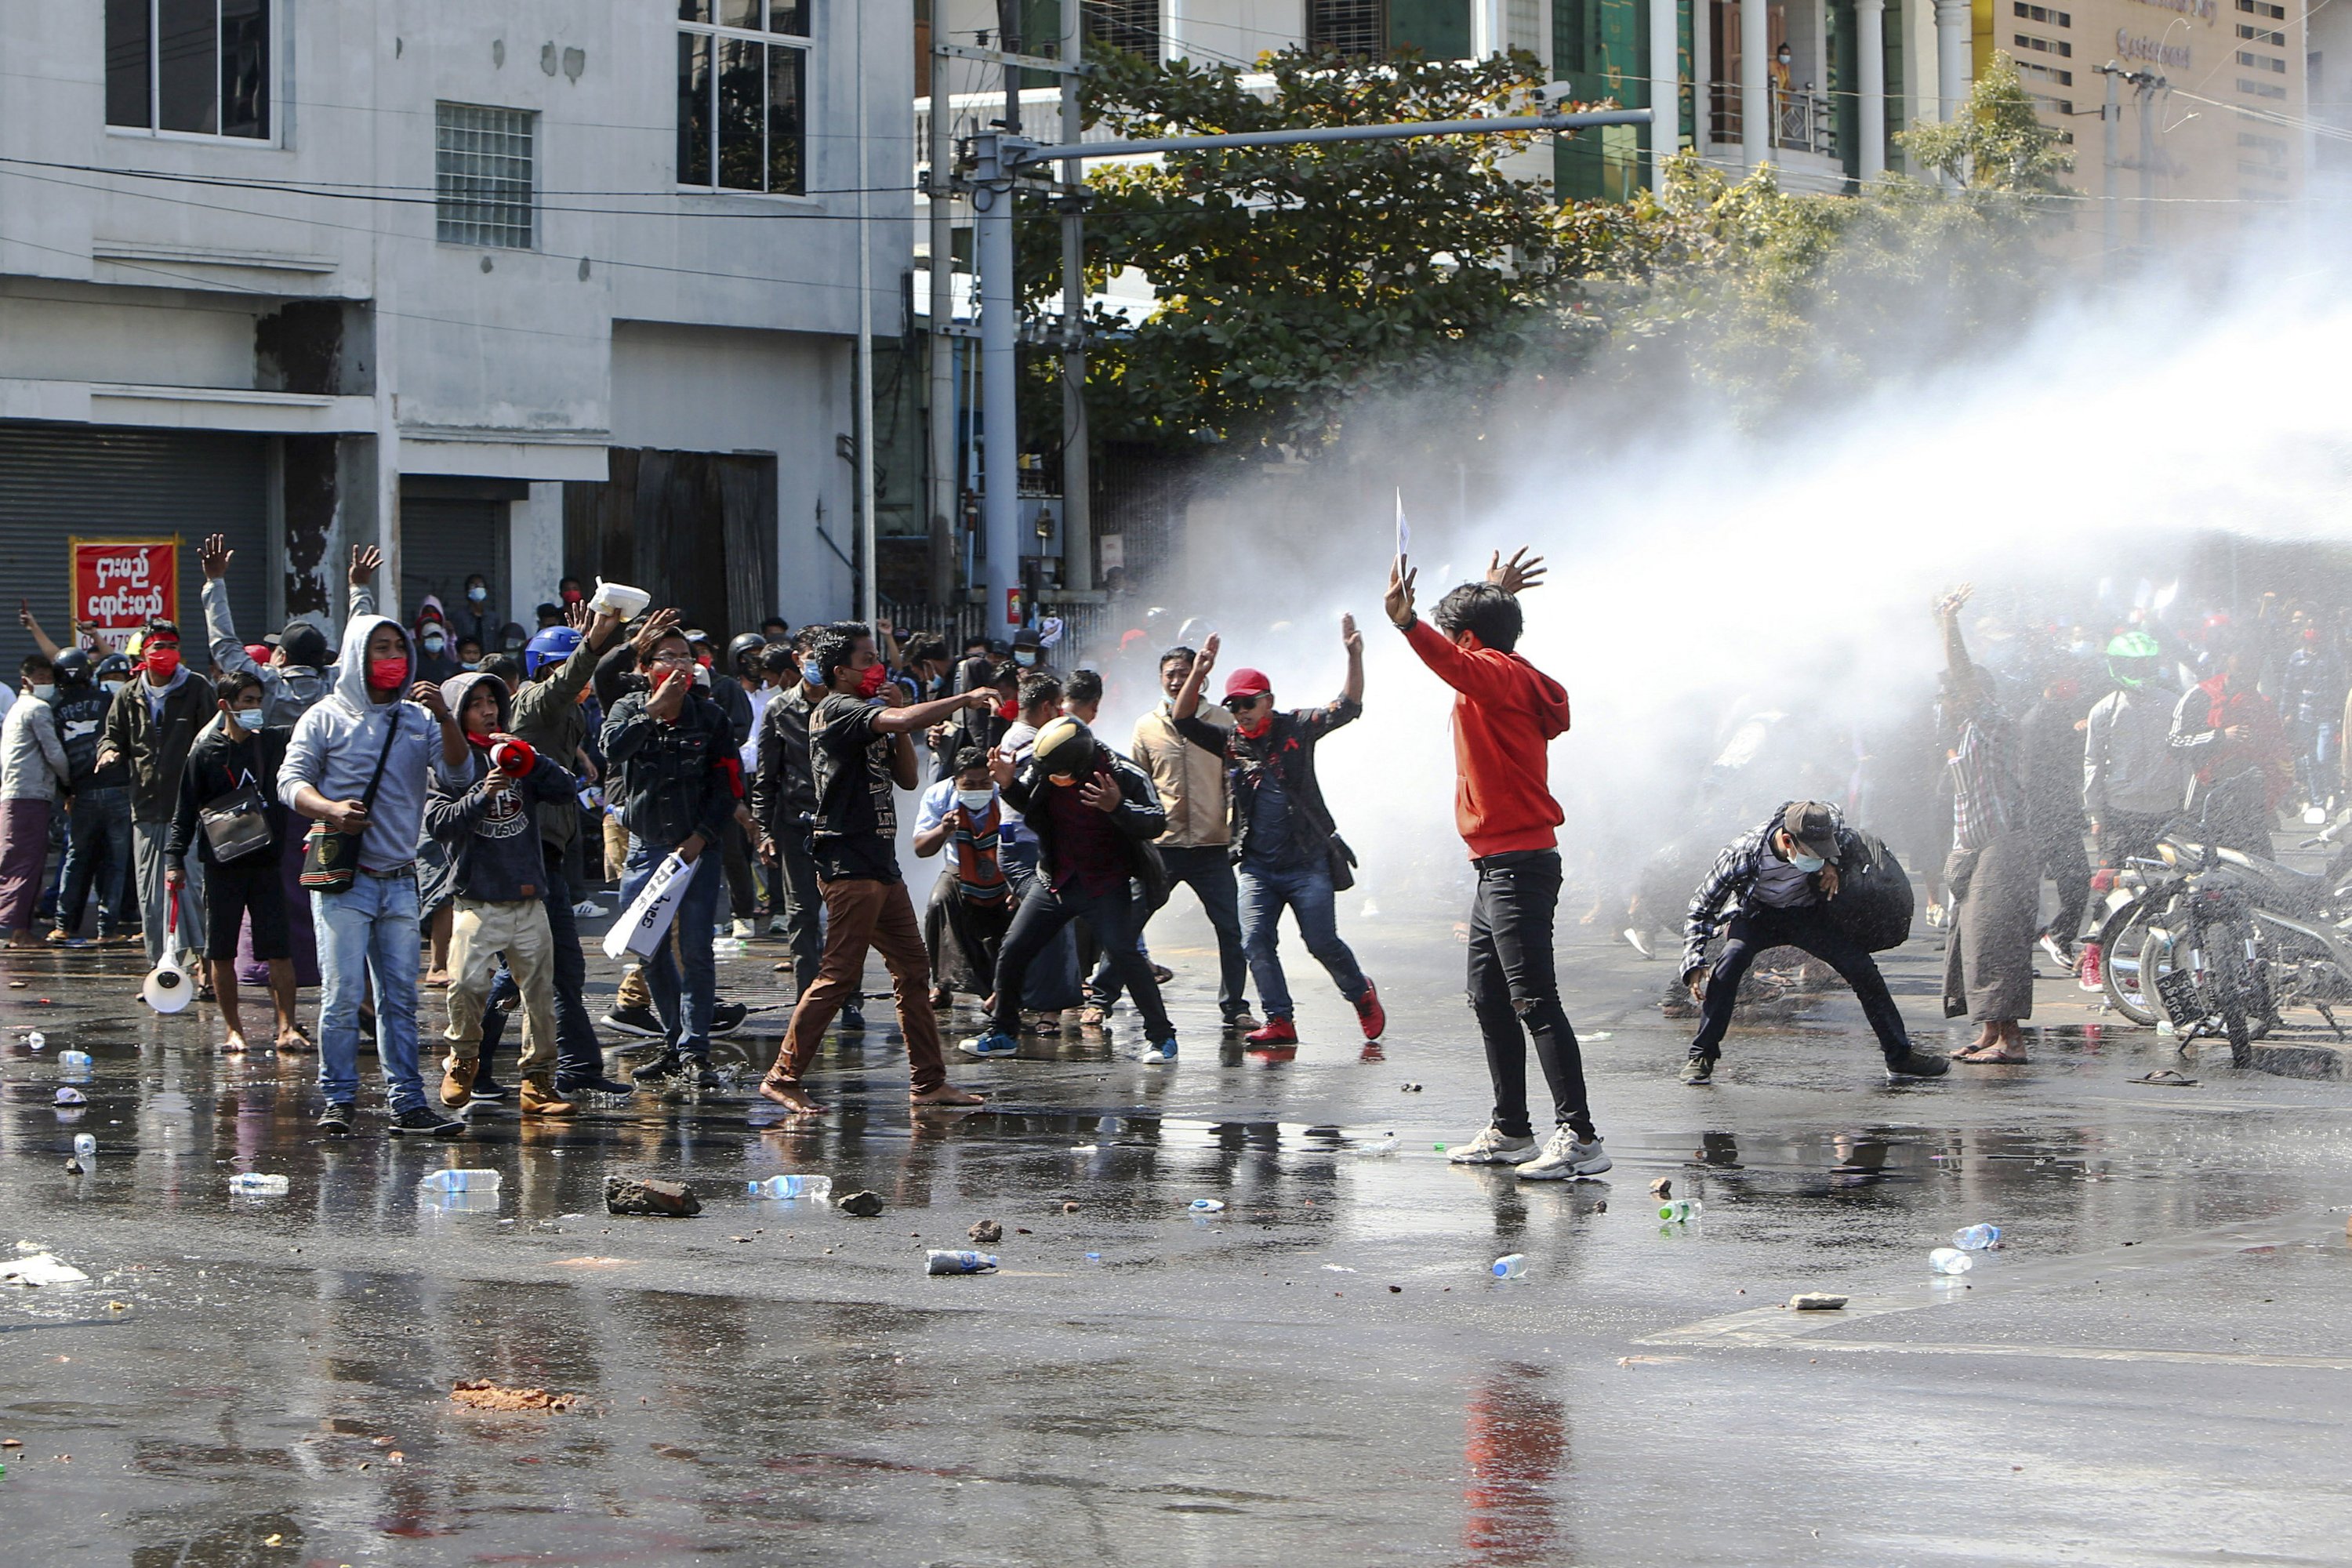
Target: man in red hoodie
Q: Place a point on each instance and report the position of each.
(1505, 714)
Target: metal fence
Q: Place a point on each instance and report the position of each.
(1087, 636)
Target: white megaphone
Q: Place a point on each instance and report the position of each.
(168, 988)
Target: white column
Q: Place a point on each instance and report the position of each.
(1870, 43)
(1952, 63)
(1172, 31)
(1485, 29)
(1666, 87)
(1755, 92)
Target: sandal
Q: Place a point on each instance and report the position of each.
(2166, 1077)
(1989, 1056)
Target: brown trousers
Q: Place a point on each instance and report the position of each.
(860, 914)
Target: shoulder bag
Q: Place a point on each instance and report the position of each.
(330, 857)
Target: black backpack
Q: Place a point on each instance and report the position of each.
(1874, 901)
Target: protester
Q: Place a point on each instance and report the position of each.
(726, 689)
(1053, 976)
(1288, 850)
(859, 752)
(672, 755)
(356, 766)
(1093, 815)
(2051, 736)
(152, 722)
(486, 811)
(474, 621)
(970, 905)
(783, 808)
(1777, 881)
(435, 661)
(2231, 736)
(98, 830)
(1506, 714)
(228, 790)
(1993, 874)
(32, 771)
(1082, 696)
(2134, 782)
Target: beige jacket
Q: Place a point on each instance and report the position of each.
(1189, 778)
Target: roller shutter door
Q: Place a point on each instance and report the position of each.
(443, 540)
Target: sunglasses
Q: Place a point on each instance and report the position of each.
(1244, 704)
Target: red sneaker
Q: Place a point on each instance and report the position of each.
(1371, 1014)
(1277, 1032)
(2088, 977)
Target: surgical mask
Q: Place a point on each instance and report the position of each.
(473, 664)
(43, 693)
(109, 687)
(386, 674)
(1808, 864)
(246, 718)
(477, 593)
(434, 643)
(975, 799)
(1025, 658)
(811, 674)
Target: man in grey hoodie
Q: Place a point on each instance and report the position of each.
(362, 731)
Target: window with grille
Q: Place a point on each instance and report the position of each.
(1132, 25)
(1357, 28)
(484, 192)
(199, 67)
(742, 95)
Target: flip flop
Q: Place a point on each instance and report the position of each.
(2166, 1077)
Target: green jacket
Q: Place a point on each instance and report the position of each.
(547, 717)
(156, 745)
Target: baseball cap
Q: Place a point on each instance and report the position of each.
(1814, 827)
(1246, 683)
(303, 644)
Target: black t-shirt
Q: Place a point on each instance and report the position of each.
(856, 828)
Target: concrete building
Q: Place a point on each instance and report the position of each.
(521, 289)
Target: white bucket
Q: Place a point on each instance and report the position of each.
(619, 599)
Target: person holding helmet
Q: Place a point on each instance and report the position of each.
(2133, 778)
(1094, 816)
(97, 831)
(150, 725)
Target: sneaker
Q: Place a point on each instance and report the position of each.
(743, 931)
(587, 910)
(458, 1082)
(1369, 1013)
(995, 1043)
(1493, 1147)
(853, 1016)
(424, 1121)
(335, 1121)
(705, 1075)
(1639, 942)
(776, 926)
(1277, 1032)
(1241, 1022)
(2089, 975)
(487, 1090)
(639, 1022)
(1564, 1157)
(2058, 954)
(1699, 1070)
(726, 1017)
(574, 1088)
(660, 1071)
(1165, 1051)
(1916, 1063)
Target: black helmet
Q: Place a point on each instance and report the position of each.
(72, 666)
(743, 648)
(113, 667)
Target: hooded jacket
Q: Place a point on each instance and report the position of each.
(493, 839)
(548, 715)
(155, 742)
(336, 744)
(288, 690)
(1507, 712)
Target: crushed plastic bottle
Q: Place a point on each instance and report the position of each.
(461, 1181)
(258, 1185)
(37, 1041)
(791, 1187)
(1511, 1265)
(85, 1148)
(1950, 1260)
(1976, 1237)
(73, 1061)
(1680, 1211)
(959, 1260)
(1206, 1205)
(68, 1095)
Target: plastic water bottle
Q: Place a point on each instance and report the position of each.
(1950, 1260)
(960, 1260)
(1206, 1205)
(1511, 1267)
(791, 1187)
(258, 1183)
(73, 1061)
(85, 1148)
(461, 1182)
(1976, 1237)
(37, 1041)
(1680, 1211)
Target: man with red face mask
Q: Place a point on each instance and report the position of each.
(151, 726)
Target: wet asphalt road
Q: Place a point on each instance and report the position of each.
(2155, 1372)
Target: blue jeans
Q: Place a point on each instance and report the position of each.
(684, 1008)
(368, 930)
(1265, 891)
(98, 853)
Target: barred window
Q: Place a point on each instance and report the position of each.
(199, 67)
(2046, 46)
(483, 184)
(2051, 15)
(1132, 25)
(2270, 36)
(1355, 28)
(742, 95)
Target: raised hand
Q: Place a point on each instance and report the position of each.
(577, 616)
(1521, 571)
(1398, 601)
(214, 555)
(430, 694)
(366, 561)
(1349, 638)
(1948, 607)
(658, 624)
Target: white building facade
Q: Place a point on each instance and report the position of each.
(516, 290)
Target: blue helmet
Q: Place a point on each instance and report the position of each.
(552, 645)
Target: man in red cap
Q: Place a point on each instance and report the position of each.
(1505, 714)
(1288, 853)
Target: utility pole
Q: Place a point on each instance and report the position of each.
(869, 601)
(1077, 472)
(1666, 87)
(943, 508)
(2147, 85)
(2111, 115)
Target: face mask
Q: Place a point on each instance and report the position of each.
(1025, 658)
(811, 674)
(163, 663)
(434, 644)
(43, 693)
(473, 664)
(870, 683)
(975, 800)
(1808, 864)
(109, 687)
(246, 718)
(1256, 724)
(1065, 784)
(702, 677)
(478, 593)
(1008, 710)
(386, 674)
(570, 595)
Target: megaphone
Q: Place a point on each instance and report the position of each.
(514, 758)
(168, 988)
